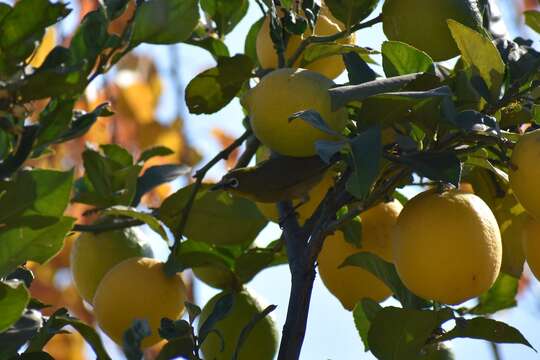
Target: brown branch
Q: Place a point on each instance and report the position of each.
(252, 145)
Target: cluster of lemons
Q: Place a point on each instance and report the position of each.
(445, 245)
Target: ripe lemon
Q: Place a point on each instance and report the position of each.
(531, 245)
(350, 284)
(524, 180)
(282, 93)
(447, 246)
(330, 66)
(304, 211)
(137, 289)
(93, 254)
(215, 277)
(261, 343)
(422, 23)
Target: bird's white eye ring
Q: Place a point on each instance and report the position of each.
(234, 183)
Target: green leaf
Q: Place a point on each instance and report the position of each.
(250, 48)
(181, 347)
(20, 244)
(157, 175)
(365, 156)
(358, 70)
(212, 89)
(216, 217)
(133, 338)
(319, 51)
(225, 13)
(481, 54)
(17, 335)
(398, 334)
(532, 19)
(246, 330)
(221, 308)
(442, 166)
(54, 120)
(314, 119)
(38, 355)
(154, 152)
(215, 46)
(131, 212)
(363, 314)
(255, 260)
(351, 12)
(387, 273)
(165, 21)
(82, 122)
(13, 300)
(502, 295)
(98, 172)
(90, 39)
(192, 254)
(486, 329)
(402, 59)
(118, 154)
(56, 323)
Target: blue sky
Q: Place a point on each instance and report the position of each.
(331, 333)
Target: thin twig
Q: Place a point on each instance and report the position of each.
(329, 38)
(96, 228)
(252, 145)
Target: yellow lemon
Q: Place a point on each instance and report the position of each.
(261, 343)
(531, 245)
(330, 66)
(524, 179)
(219, 278)
(282, 93)
(447, 246)
(93, 254)
(422, 23)
(304, 211)
(350, 284)
(137, 289)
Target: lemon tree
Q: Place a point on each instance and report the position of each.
(413, 180)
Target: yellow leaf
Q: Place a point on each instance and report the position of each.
(47, 44)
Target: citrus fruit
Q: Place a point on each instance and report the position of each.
(138, 289)
(351, 283)
(260, 344)
(524, 179)
(305, 210)
(93, 254)
(447, 246)
(330, 66)
(422, 23)
(282, 93)
(531, 245)
(219, 278)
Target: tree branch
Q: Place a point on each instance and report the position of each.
(96, 228)
(329, 38)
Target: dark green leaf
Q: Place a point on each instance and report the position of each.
(319, 51)
(23, 274)
(352, 231)
(351, 12)
(402, 59)
(154, 152)
(13, 300)
(170, 329)
(131, 212)
(182, 347)
(357, 68)
(221, 308)
(117, 154)
(249, 327)
(83, 121)
(98, 171)
(165, 21)
(226, 13)
(254, 261)
(157, 175)
(502, 295)
(397, 334)
(215, 46)
(133, 338)
(365, 156)
(314, 119)
(486, 329)
(190, 254)
(364, 313)
(38, 355)
(212, 89)
(327, 149)
(16, 336)
(443, 166)
(216, 217)
(54, 120)
(90, 39)
(387, 273)
(193, 311)
(56, 323)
